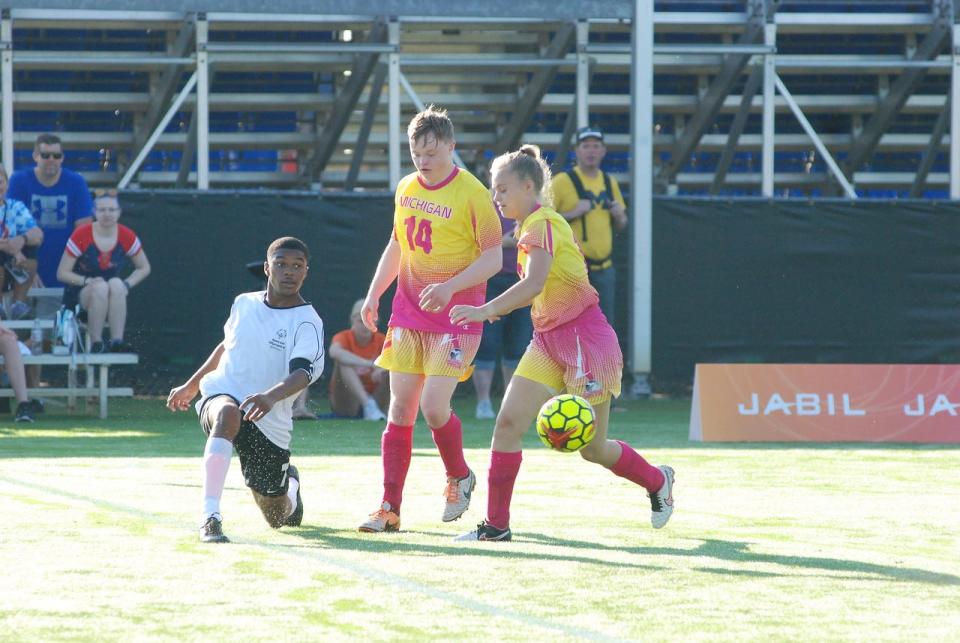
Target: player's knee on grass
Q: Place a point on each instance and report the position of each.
(273, 508)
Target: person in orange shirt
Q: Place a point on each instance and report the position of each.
(357, 383)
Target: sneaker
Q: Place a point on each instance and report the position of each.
(486, 531)
(37, 406)
(97, 347)
(294, 519)
(19, 310)
(212, 530)
(457, 494)
(371, 411)
(661, 502)
(119, 346)
(24, 412)
(382, 519)
(485, 410)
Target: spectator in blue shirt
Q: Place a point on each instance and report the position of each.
(17, 230)
(59, 200)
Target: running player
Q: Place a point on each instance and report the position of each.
(574, 348)
(272, 349)
(444, 246)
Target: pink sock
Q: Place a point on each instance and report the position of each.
(449, 441)
(397, 449)
(504, 468)
(634, 468)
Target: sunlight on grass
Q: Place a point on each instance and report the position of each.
(779, 542)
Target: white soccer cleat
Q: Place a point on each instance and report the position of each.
(457, 495)
(661, 502)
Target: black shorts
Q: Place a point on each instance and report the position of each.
(263, 464)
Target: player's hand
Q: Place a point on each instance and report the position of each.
(463, 315)
(257, 406)
(180, 397)
(19, 259)
(377, 374)
(368, 313)
(435, 297)
(95, 280)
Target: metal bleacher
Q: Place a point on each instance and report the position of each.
(301, 100)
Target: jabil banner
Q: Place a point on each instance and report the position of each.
(826, 403)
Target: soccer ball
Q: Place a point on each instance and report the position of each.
(565, 423)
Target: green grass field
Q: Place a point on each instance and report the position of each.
(768, 542)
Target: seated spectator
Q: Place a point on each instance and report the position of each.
(19, 237)
(13, 363)
(357, 385)
(91, 268)
(59, 201)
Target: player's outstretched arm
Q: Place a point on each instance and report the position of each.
(435, 297)
(257, 406)
(387, 269)
(180, 397)
(518, 295)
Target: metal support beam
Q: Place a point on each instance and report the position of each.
(167, 82)
(344, 104)
(536, 87)
(736, 128)
(363, 136)
(769, 113)
(187, 154)
(583, 74)
(713, 99)
(569, 127)
(420, 105)
(641, 195)
(162, 125)
(955, 115)
(930, 154)
(202, 112)
(6, 88)
(393, 105)
(879, 123)
(821, 148)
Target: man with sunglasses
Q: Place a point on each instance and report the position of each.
(59, 200)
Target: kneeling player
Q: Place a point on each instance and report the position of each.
(272, 349)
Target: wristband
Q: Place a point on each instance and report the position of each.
(127, 284)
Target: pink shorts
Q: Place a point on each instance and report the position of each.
(428, 353)
(582, 357)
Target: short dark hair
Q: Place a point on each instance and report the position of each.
(288, 243)
(47, 139)
(432, 120)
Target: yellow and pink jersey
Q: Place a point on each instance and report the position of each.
(567, 292)
(441, 229)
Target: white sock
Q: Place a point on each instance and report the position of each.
(293, 485)
(216, 463)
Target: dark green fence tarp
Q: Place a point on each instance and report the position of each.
(733, 280)
(199, 245)
(801, 281)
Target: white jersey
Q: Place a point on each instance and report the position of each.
(259, 341)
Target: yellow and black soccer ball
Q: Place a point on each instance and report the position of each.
(565, 423)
